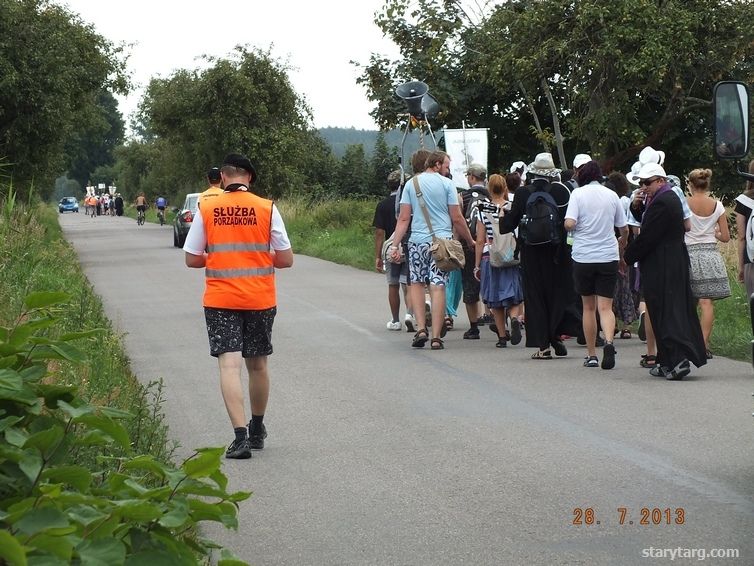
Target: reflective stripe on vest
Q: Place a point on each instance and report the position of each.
(238, 247)
(230, 273)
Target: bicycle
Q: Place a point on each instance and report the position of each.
(161, 216)
(140, 218)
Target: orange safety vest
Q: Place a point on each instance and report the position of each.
(239, 270)
(210, 193)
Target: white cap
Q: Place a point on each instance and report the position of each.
(649, 170)
(581, 159)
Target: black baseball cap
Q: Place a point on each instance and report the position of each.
(214, 175)
(242, 162)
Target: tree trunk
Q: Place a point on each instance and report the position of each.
(555, 124)
(533, 111)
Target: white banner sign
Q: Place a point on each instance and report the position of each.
(465, 147)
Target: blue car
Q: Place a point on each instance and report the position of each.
(68, 204)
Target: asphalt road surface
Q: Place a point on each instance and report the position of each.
(383, 454)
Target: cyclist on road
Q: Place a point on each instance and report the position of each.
(161, 203)
(141, 206)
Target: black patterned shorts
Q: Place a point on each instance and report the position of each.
(248, 332)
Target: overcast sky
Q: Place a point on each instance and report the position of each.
(318, 39)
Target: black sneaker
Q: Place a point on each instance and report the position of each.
(559, 348)
(256, 438)
(679, 372)
(471, 334)
(239, 450)
(608, 356)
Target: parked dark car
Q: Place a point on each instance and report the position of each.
(183, 219)
(68, 204)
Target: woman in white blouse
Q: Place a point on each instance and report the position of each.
(709, 224)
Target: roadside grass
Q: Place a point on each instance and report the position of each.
(338, 230)
(34, 256)
(732, 333)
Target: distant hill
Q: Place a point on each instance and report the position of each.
(340, 138)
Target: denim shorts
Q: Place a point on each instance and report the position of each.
(397, 273)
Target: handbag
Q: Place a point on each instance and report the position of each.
(387, 257)
(447, 253)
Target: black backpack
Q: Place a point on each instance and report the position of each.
(541, 221)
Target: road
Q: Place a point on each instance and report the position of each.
(382, 454)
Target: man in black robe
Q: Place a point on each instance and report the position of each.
(664, 264)
(546, 269)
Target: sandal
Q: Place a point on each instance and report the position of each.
(501, 343)
(591, 362)
(542, 355)
(437, 344)
(444, 329)
(648, 361)
(449, 322)
(625, 334)
(420, 338)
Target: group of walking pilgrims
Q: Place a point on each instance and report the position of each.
(552, 254)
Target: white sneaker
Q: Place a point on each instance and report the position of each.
(410, 323)
(393, 325)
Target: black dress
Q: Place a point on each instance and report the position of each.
(664, 267)
(546, 273)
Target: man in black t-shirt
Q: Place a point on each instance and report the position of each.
(397, 273)
(476, 175)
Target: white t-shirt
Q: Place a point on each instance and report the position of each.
(196, 239)
(597, 210)
(703, 227)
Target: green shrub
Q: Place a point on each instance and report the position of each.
(123, 508)
(338, 230)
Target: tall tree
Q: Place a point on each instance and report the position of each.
(353, 172)
(241, 104)
(99, 131)
(384, 160)
(621, 74)
(52, 69)
(628, 73)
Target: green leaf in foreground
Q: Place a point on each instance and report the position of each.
(42, 299)
(11, 550)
